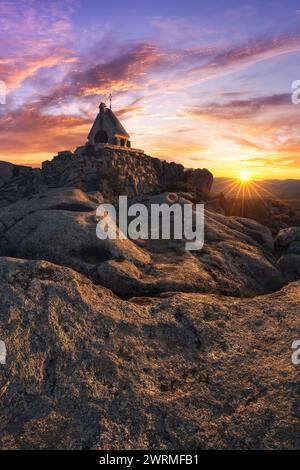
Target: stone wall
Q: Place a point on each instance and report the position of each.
(18, 182)
(112, 172)
(120, 172)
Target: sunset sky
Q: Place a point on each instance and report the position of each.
(203, 83)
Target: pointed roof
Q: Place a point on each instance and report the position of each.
(119, 129)
(107, 127)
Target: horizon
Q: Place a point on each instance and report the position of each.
(223, 177)
(201, 86)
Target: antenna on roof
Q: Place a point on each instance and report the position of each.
(105, 98)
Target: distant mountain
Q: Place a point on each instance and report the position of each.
(284, 189)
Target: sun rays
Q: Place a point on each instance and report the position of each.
(244, 190)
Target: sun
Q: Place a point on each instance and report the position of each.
(245, 176)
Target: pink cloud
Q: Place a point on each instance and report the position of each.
(235, 58)
(33, 36)
(238, 109)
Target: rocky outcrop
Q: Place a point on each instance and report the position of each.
(115, 344)
(237, 259)
(265, 208)
(288, 244)
(120, 172)
(18, 182)
(59, 225)
(86, 370)
(287, 236)
(111, 172)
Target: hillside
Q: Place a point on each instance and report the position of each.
(140, 343)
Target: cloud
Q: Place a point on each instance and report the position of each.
(170, 30)
(121, 72)
(33, 36)
(245, 143)
(235, 58)
(27, 131)
(134, 107)
(55, 82)
(238, 109)
(16, 72)
(274, 161)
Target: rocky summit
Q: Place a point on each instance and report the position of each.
(87, 370)
(110, 171)
(128, 344)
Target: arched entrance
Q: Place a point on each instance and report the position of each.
(101, 137)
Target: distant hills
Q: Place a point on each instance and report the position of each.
(288, 189)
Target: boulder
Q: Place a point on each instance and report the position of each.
(290, 266)
(18, 182)
(60, 226)
(237, 259)
(287, 236)
(86, 370)
(127, 280)
(294, 247)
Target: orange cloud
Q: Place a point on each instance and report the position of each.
(54, 93)
(29, 132)
(15, 72)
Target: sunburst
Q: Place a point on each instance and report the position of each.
(245, 176)
(244, 188)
